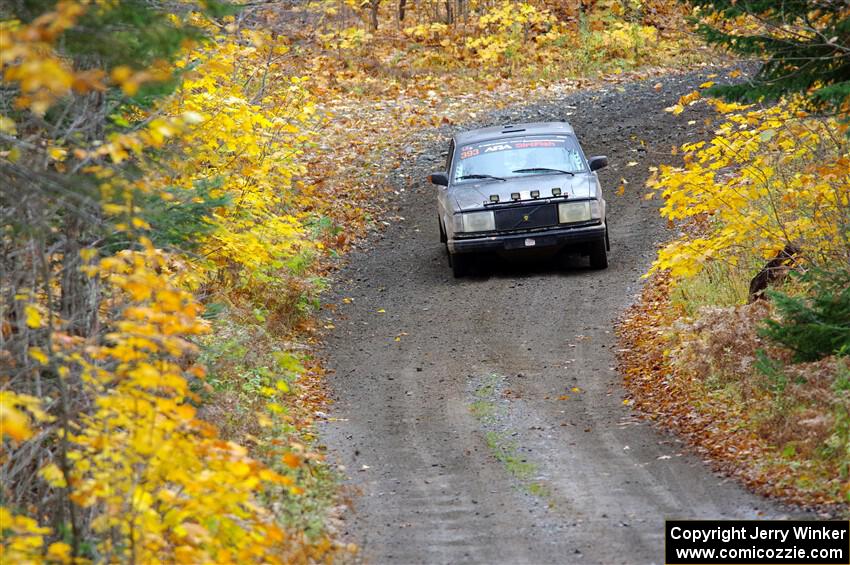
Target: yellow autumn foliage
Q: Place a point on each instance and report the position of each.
(159, 483)
(124, 443)
(770, 177)
(252, 124)
(18, 413)
(163, 478)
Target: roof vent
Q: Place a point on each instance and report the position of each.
(510, 129)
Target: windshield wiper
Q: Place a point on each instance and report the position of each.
(544, 170)
(464, 177)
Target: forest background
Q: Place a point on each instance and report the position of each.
(180, 178)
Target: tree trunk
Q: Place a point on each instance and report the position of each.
(374, 13)
(773, 272)
(79, 292)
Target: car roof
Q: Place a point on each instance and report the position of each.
(513, 130)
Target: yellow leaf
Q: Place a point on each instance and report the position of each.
(121, 73)
(138, 290)
(53, 475)
(38, 354)
(57, 153)
(59, 552)
(275, 408)
(88, 253)
(15, 424)
(7, 126)
(33, 316)
(239, 468)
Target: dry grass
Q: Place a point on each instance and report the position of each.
(784, 429)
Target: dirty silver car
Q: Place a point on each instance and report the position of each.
(519, 187)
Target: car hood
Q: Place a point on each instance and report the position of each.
(472, 196)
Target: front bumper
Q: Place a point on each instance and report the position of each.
(551, 238)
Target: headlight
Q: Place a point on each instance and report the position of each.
(478, 221)
(575, 212)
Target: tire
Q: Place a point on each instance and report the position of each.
(460, 264)
(598, 255)
(443, 237)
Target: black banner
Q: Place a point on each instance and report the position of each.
(761, 542)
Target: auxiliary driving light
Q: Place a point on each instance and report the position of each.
(535, 194)
(556, 191)
(514, 195)
(494, 198)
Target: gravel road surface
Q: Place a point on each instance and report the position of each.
(481, 420)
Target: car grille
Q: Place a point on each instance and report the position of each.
(526, 217)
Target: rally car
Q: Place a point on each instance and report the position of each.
(516, 187)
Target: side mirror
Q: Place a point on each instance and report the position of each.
(598, 162)
(441, 179)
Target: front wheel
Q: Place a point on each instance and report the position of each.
(460, 264)
(599, 254)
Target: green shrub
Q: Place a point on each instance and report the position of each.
(817, 325)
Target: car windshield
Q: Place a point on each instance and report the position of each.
(514, 157)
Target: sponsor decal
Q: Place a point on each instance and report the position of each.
(469, 151)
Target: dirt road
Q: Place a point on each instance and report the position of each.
(482, 419)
